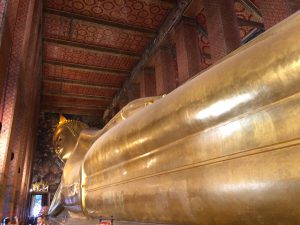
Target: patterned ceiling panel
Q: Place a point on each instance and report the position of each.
(77, 89)
(63, 100)
(67, 88)
(52, 88)
(88, 76)
(95, 34)
(62, 53)
(141, 13)
(56, 26)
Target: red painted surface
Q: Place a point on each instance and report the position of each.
(142, 13)
(243, 13)
(165, 71)
(67, 88)
(63, 53)
(88, 76)
(275, 11)
(203, 41)
(222, 27)
(96, 34)
(74, 25)
(72, 101)
(147, 84)
(188, 57)
(20, 103)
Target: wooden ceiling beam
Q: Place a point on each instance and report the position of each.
(92, 50)
(86, 67)
(71, 15)
(250, 23)
(63, 105)
(82, 96)
(77, 82)
(96, 48)
(100, 72)
(61, 100)
(96, 71)
(72, 111)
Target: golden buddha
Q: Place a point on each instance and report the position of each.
(221, 149)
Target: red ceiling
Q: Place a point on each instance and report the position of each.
(96, 34)
(81, 56)
(54, 87)
(70, 101)
(141, 13)
(58, 72)
(90, 48)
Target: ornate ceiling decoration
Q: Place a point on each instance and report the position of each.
(140, 13)
(90, 48)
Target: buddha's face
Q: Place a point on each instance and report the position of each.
(64, 142)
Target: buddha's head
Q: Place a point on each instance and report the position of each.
(65, 136)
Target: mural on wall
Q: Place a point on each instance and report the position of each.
(47, 166)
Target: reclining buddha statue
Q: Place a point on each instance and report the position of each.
(222, 149)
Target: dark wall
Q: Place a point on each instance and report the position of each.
(47, 166)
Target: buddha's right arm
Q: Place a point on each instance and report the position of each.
(56, 205)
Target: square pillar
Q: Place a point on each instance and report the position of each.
(147, 82)
(222, 27)
(165, 71)
(133, 92)
(187, 50)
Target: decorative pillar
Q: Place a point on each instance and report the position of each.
(165, 71)
(147, 82)
(275, 11)
(19, 100)
(222, 27)
(187, 50)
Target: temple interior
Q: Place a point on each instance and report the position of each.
(136, 112)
